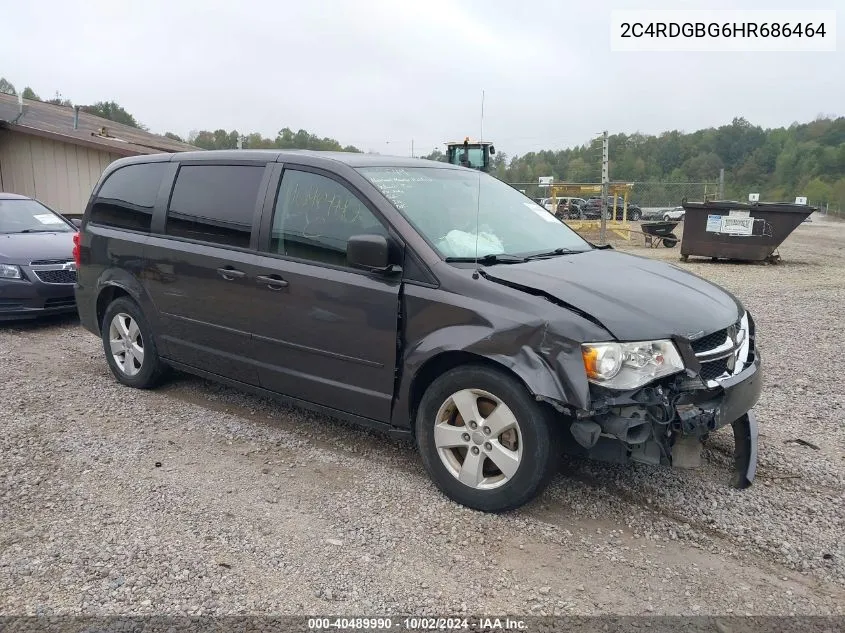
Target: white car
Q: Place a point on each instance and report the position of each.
(673, 214)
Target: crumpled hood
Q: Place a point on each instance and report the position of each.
(635, 298)
(22, 248)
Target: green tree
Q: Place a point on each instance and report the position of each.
(817, 191)
(436, 154)
(218, 139)
(29, 93)
(173, 136)
(113, 112)
(6, 87)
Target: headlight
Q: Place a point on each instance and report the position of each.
(10, 271)
(630, 365)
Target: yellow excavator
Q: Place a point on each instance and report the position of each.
(473, 154)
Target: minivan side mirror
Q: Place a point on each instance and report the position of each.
(370, 252)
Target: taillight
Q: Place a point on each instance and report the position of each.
(77, 256)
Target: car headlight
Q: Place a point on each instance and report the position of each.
(10, 271)
(630, 365)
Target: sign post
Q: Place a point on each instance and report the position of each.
(605, 180)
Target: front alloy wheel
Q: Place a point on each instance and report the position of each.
(478, 439)
(484, 441)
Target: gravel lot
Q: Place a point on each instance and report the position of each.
(256, 508)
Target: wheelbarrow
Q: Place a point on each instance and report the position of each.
(657, 233)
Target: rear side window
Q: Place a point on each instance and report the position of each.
(127, 197)
(214, 203)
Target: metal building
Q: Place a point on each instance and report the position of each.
(56, 153)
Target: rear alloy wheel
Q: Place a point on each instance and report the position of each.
(126, 344)
(129, 346)
(635, 216)
(666, 218)
(484, 441)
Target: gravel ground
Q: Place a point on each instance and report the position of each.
(197, 499)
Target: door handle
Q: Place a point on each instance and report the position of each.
(230, 274)
(274, 282)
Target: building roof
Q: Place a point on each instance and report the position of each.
(56, 122)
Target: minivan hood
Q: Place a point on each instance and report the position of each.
(635, 298)
(22, 248)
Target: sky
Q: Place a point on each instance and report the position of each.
(381, 74)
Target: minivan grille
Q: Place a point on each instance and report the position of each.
(714, 369)
(711, 341)
(732, 358)
(56, 276)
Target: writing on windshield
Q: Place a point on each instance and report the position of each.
(463, 214)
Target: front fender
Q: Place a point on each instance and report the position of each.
(550, 366)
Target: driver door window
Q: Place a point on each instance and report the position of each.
(315, 216)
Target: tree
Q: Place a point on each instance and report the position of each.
(173, 136)
(6, 87)
(436, 154)
(29, 93)
(57, 100)
(704, 167)
(112, 111)
(817, 191)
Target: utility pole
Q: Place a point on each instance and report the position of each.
(412, 148)
(605, 180)
(722, 183)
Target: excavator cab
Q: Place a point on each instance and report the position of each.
(475, 155)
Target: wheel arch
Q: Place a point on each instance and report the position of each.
(116, 283)
(446, 360)
(105, 297)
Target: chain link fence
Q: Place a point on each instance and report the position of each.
(651, 197)
(829, 209)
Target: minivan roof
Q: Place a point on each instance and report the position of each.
(353, 159)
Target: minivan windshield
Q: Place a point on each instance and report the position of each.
(29, 216)
(459, 211)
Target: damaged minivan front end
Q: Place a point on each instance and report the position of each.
(669, 369)
(709, 382)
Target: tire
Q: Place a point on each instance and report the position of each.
(525, 448)
(666, 218)
(125, 331)
(635, 216)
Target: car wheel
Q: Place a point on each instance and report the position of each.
(666, 218)
(635, 216)
(129, 345)
(484, 441)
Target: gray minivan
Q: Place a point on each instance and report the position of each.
(429, 300)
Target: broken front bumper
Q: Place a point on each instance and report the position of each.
(665, 423)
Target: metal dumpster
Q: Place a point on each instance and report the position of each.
(748, 231)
